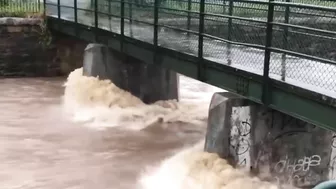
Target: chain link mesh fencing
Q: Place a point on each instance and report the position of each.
(302, 43)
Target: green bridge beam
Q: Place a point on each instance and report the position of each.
(298, 102)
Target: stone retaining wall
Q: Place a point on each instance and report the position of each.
(26, 52)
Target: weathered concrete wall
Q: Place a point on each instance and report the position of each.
(25, 50)
(148, 82)
(293, 151)
(273, 145)
(69, 52)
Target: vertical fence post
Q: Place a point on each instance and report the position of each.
(156, 23)
(38, 4)
(96, 14)
(189, 16)
(59, 9)
(224, 6)
(109, 13)
(285, 43)
(228, 50)
(44, 8)
(130, 10)
(75, 11)
(96, 20)
(201, 67)
(156, 31)
(122, 24)
(269, 35)
(230, 19)
(130, 14)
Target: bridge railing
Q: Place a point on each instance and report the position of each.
(19, 7)
(287, 44)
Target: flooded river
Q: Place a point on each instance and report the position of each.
(83, 133)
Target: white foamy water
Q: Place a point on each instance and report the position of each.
(101, 104)
(192, 168)
(42, 147)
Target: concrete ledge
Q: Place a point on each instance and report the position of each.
(13, 21)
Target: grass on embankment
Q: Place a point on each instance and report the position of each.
(20, 9)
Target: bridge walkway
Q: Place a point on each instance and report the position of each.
(281, 54)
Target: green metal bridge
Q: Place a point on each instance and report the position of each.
(281, 54)
(278, 53)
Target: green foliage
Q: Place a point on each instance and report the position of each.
(27, 8)
(45, 37)
(3, 2)
(12, 14)
(19, 8)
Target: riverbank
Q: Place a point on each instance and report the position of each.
(29, 49)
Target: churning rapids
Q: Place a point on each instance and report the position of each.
(89, 134)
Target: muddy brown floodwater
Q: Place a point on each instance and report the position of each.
(43, 148)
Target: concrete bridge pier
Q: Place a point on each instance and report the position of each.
(147, 81)
(272, 145)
